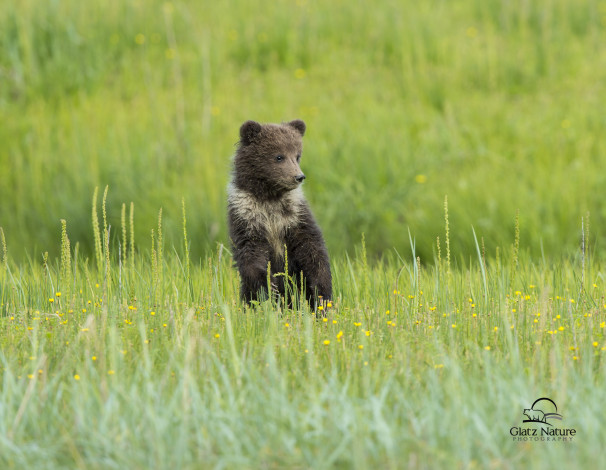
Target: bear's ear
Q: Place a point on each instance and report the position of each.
(298, 125)
(248, 132)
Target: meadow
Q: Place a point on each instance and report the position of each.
(496, 104)
(452, 159)
(142, 359)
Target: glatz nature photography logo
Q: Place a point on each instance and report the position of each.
(542, 412)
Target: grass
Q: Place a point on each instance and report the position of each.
(495, 104)
(125, 346)
(145, 362)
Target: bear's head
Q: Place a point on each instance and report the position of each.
(267, 160)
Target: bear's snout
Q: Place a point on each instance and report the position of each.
(300, 178)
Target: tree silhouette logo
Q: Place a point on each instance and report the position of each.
(542, 410)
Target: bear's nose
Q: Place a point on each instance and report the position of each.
(299, 178)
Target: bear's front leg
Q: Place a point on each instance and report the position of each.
(253, 280)
(309, 255)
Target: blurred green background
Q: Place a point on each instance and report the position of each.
(498, 104)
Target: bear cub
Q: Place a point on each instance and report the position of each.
(269, 217)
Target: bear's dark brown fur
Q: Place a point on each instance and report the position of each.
(268, 215)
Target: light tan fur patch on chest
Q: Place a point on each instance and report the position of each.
(272, 217)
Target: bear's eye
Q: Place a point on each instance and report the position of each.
(279, 158)
(298, 158)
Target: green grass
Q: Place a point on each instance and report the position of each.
(123, 343)
(148, 362)
(497, 104)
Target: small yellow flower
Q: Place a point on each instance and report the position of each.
(574, 358)
(58, 294)
(286, 325)
(595, 344)
(30, 376)
(339, 335)
(334, 322)
(361, 346)
(474, 315)
(217, 335)
(110, 372)
(496, 328)
(421, 179)
(320, 308)
(561, 328)
(487, 348)
(453, 325)
(326, 342)
(357, 324)
(51, 300)
(84, 329)
(329, 304)
(76, 377)
(368, 333)
(94, 358)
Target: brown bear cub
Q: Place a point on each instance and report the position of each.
(269, 217)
